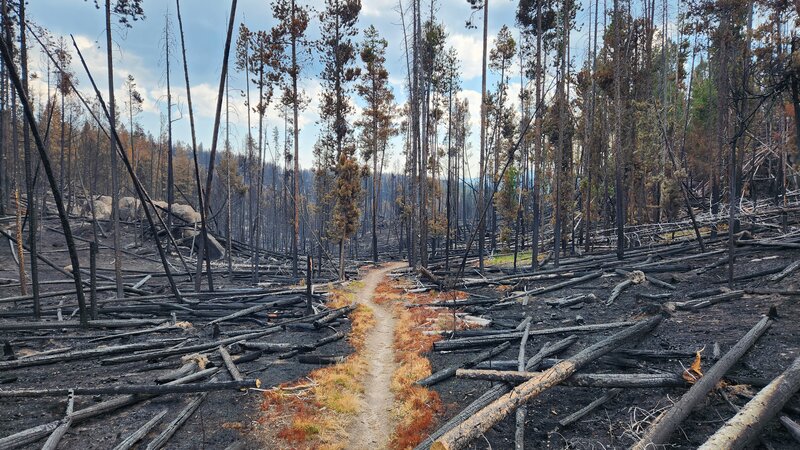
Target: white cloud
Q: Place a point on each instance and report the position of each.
(378, 8)
(469, 48)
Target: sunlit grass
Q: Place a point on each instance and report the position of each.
(507, 259)
(313, 413)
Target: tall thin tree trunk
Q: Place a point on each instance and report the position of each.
(200, 200)
(229, 156)
(20, 86)
(30, 185)
(618, 188)
(215, 139)
(537, 145)
(482, 158)
(170, 169)
(296, 173)
(112, 121)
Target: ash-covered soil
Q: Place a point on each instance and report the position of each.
(224, 418)
(618, 422)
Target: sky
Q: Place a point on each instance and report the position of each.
(139, 51)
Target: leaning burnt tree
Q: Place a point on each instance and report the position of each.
(19, 87)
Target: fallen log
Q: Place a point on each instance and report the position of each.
(563, 284)
(304, 348)
(652, 280)
(768, 291)
(126, 323)
(55, 437)
(429, 275)
(662, 428)
(747, 424)
(184, 370)
(28, 436)
(176, 423)
(756, 274)
(649, 296)
(491, 339)
(456, 303)
(229, 364)
(333, 315)
(595, 380)
(645, 266)
(519, 431)
(271, 347)
(320, 359)
(83, 354)
(791, 268)
(257, 308)
(31, 435)
(634, 277)
(708, 301)
(448, 372)
(140, 389)
(577, 415)
(190, 348)
(487, 417)
(494, 392)
(137, 435)
(166, 326)
(571, 300)
(792, 427)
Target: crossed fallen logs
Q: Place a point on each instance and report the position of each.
(517, 387)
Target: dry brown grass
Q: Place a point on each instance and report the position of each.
(316, 417)
(313, 413)
(415, 407)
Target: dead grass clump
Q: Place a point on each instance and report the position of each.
(386, 293)
(339, 299)
(415, 407)
(313, 413)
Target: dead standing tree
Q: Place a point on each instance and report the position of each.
(62, 214)
(30, 184)
(200, 202)
(293, 21)
(127, 11)
(376, 123)
(215, 136)
(144, 198)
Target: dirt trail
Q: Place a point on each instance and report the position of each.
(374, 424)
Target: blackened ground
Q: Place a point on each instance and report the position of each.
(223, 418)
(619, 421)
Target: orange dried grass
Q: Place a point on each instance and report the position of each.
(316, 417)
(415, 407)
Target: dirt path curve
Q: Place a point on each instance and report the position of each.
(374, 424)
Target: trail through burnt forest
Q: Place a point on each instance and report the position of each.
(373, 425)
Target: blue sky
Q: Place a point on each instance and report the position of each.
(139, 51)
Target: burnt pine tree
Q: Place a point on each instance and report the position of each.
(291, 34)
(30, 184)
(500, 57)
(376, 123)
(255, 55)
(338, 55)
(482, 4)
(536, 18)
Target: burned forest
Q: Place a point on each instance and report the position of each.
(399, 224)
